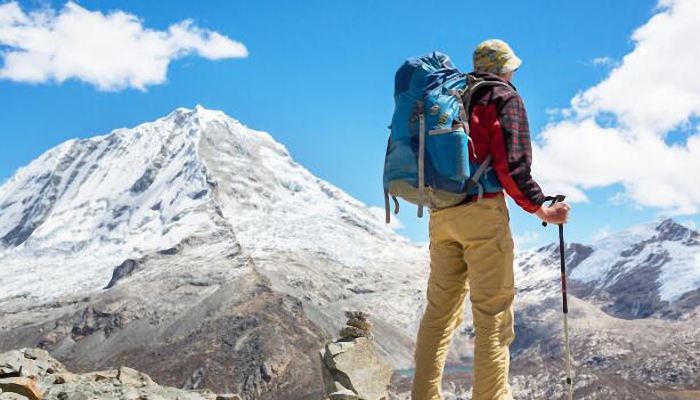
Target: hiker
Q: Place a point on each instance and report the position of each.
(471, 248)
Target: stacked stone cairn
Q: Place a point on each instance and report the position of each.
(352, 368)
(357, 326)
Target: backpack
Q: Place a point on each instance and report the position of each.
(427, 156)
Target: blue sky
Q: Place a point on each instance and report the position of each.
(319, 78)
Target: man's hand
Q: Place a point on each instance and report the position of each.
(556, 214)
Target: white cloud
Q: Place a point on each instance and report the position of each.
(527, 240)
(617, 130)
(112, 51)
(604, 61)
(602, 233)
(380, 214)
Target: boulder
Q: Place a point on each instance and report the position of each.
(22, 386)
(352, 368)
(11, 396)
(132, 377)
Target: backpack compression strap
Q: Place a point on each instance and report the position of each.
(421, 158)
(474, 180)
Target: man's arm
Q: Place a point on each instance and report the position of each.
(512, 154)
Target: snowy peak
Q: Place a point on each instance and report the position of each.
(670, 230)
(86, 206)
(650, 269)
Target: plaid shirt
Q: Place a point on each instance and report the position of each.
(499, 127)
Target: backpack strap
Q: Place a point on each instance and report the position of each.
(421, 158)
(387, 206)
(474, 84)
(474, 180)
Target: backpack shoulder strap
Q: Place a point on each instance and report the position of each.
(474, 84)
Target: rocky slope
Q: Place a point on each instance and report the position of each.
(33, 374)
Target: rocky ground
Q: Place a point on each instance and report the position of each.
(32, 374)
(227, 331)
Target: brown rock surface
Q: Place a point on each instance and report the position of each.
(22, 386)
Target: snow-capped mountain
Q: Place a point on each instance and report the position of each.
(650, 269)
(633, 316)
(198, 251)
(100, 235)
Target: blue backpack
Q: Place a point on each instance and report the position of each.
(427, 157)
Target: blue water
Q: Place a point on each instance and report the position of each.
(448, 369)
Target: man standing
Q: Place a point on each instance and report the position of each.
(471, 248)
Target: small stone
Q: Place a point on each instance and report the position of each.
(100, 377)
(351, 331)
(363, 315)
(360, 323)
(7, 372)
(36, 354)
(64, 377)
(23, 386)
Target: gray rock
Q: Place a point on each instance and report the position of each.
(78, 396)
(22, 386)
(11, 396)
(360, 324)
(355, 371)
(122, 271)
(53, 381)
(228, 397)
(363, 315)
(353, 332)
(129, 376)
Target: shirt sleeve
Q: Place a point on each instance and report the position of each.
(512, 154)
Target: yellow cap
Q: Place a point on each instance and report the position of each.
(496, 57)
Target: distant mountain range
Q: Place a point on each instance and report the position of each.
(196, 250)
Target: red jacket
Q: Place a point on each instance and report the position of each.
(499, 127)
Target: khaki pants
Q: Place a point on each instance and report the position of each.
(470, 248)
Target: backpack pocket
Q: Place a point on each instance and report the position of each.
(448, 152)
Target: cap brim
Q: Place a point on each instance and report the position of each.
(512, 64)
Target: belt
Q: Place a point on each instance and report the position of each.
(474, 197)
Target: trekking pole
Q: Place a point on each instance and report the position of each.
(565, 307)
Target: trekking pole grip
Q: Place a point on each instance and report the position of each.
(554, 199)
